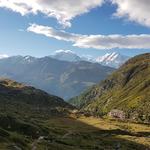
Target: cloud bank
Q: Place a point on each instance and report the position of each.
(66, 10)
(134, 10)
(141, 41)
(62, 10)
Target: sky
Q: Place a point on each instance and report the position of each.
(41, 27)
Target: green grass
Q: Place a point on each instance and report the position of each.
(92, 133)
(79, 133)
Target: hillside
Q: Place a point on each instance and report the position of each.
(14, 95)
(127, 89)
(22, 108)
(30, 119)
(61, 78)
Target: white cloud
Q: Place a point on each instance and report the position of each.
(134, 10)
(115, 41)
(62, 10)
(141, 41)
(65, 10)
(64, 51)
(2, 56)
(51, 32)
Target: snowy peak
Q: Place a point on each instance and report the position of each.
(107, 57)
(66, 55)
(28, 58)
(112, 59)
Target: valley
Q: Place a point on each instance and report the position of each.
(31, 119)
(81, 133)
(62, 78)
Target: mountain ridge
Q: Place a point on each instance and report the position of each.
(12, 88)
(56, 77)
(66, 55)
(113, 59)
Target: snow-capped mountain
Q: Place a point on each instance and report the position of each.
(66, 55)
(112, 59)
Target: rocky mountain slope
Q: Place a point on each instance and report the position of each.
(126, 89)
(61, 78)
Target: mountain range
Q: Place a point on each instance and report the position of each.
(113, 59)
(127, 89)
(62, 78)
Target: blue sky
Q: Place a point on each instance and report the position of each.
(100, 20)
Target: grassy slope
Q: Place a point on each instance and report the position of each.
(127, 89)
